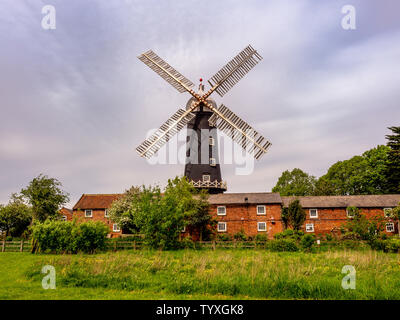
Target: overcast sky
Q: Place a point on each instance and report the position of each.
(75, 101)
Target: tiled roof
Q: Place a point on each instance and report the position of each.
(96, 201)
(240, 198)
(65, 210)
(362, 201)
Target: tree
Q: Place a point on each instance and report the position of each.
(393, 163)
(296, 214)
(363, 174)
(161, 217)
(362, 227)
(15, 217)
(45, 196)
(295, 183)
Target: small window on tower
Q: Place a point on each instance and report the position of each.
(206, 178)
(212, 142)
(213, 162)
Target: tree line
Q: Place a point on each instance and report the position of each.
(376, 171)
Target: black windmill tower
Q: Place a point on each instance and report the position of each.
(203, 118)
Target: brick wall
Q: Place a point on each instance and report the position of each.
(244, 217)
(97, 215)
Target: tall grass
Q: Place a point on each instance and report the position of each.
(250, 273)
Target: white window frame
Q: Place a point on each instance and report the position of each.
(116, 228)
(385, 214)
(265, 210)
(261, 223)
(106, 213)
(316, 213)
(213, 162)
(221, 214)
(221, 224)
(208, 179)
(392, 224)
(86, 213)
(64, 218)
(347, 214)
(308, 225)
(211, 141)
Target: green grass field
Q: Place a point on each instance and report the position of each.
(204, 274)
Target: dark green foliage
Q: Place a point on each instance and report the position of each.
(45, 196)
(15, 217)
(387, 245)
(365, 174)
(285, 217)
(68, 237)
(296, 215)
(224, 237)
(161, 217)
(307, 242)
(295, 183)
(393, 162)
(282, 245)
(240, 236)
(361, 227)
(261, 237)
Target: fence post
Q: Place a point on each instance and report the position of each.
(134, 244)
(255, 244)
(213, 245)
(22, 246)
(3, 247)
(115, 245)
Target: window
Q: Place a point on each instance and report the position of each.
(106, 213)
(116, 228)
(88, 213)
(221, 210)
(313, 213)
(213, 162)
(260, 209)
(390, 227)
(261, 226)
(221, 226)
(211, 141)
(350, 213)
(206, 178)
(310, 227)
(387, 212)
(64, 218)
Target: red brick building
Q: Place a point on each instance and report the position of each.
(258, 213)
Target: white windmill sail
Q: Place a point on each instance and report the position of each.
(239, 131)
(165, 71)
(173, 125)
(235, 70)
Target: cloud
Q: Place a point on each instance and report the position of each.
(76, 101)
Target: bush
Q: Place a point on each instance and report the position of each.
(187, 242)
(389, 245)
(282, 245)
(328, 237)
(307, 242)
(240, 236)
(289, 234)
(261, 238)
(68, 237)
(224, 237)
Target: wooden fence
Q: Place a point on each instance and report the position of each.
(16, 246)
(129, 244)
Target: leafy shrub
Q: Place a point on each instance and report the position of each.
(289, 234)
(240, 236)
(187, 242)
(224, 237)
(282, 245)
(261, 237)
(350, 235)
(388, 245)
(68, 237)
(328, 237)
(307, 242)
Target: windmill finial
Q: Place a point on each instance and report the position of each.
(201, 87)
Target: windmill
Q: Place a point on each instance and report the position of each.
(203, 118)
